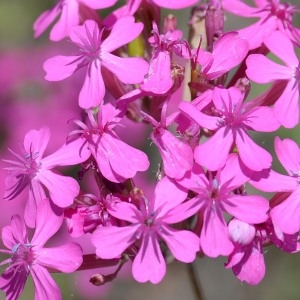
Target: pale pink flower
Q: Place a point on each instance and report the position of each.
(33, 170)
(95, 53)
(148, 225)
(262, 70)
(215, 193)
(116, 160)
(32, 258)
(72, 13)
(234, 119)
(272, 15)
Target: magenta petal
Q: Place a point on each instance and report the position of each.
(60, 67)
(174, 4)
(93, 89)
(286, 108)
(232, 173)
(282, 47)
(158, 80)
(177, 156)
(124, 31)
(66, 258)
(36, 141)
(14, 233)
(251, 268)
(182, 243)
(213, 153)
(68, 19)
(45, 287)
(96, 4)
(183, 211)
(256, 32)
(36, 194)
(167, 195)
(149, 264)
(71, 153)
(200, 118)
(15, 184)
(239, 8)
(288, 154)
(261, 119)
(122, 66)
(214, 239)
(251, 209)
(224, 60)
(12, 282)
(44, 20)
(273, 182)
(62, 189)
(124, 159)
(125, 211)
(253, 156)
(261, 69)
(286, 215)
(111, 242)
(49, 218)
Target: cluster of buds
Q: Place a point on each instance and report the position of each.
(193, 97)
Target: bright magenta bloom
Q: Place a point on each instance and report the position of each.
(215, 195)
(95, 54)
(234, 120)
(286, 214)
(272, 15)
(262, 70)
(31, 257)
(148, 225)
(72, 12)
(33, 170)
(116, 160)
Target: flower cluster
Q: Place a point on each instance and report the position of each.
(193, 97)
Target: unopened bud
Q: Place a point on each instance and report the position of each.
(170, 23)
(214, 22)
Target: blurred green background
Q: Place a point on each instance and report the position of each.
(282, 280)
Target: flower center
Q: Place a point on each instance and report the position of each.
(23, 253)
(31, 165)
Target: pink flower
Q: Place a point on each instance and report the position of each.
(88, 213)
(116, 160)
(285, 214)
(247, 259)
(262, 70)
(272, 15)
(159, 80)
(31, 257)
(148, 225)
(215, 194)
(228, 51)
(234, 120)
(95, 54)
(177, 156)
(72, 12)
(33, 171)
